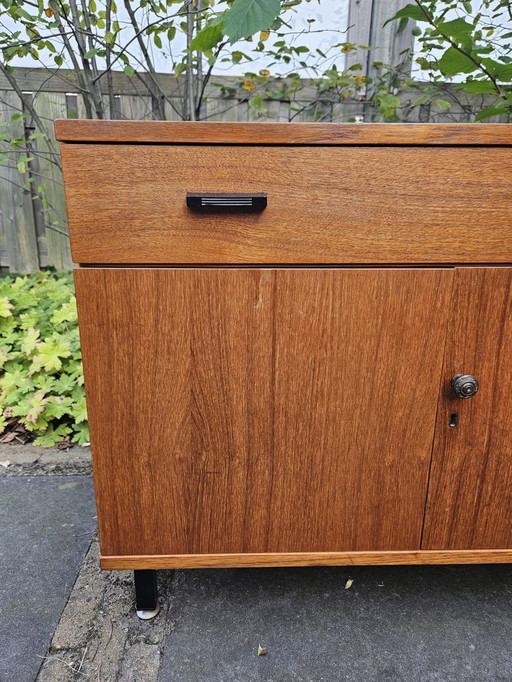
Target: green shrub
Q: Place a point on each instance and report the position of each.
(41, 378)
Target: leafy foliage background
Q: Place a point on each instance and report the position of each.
(41, 377)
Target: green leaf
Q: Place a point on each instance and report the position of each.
(402, 24)
(37, 404)
(52, 436)
(5, 307)
(81, 433)
(478, 87)
(208, 37)
(44, 382)
(59, 406)
(247, 17)
(158, 41)
(502, 72)
(66, 313)
(488, 113)
(129, 70)
(51, 353)
(389, 100)
(92, 53)
(80, 411)
(29, 342)
(442, 104)
(453, 62)
(458, 28)
(25, 15)
(64, 384)
(410, 12)
(419, 101)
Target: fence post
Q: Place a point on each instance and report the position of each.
(18, 237)
(366, 27)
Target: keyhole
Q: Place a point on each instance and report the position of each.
(454, 420)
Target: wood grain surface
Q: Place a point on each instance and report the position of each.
(167, 132)
(251, 411)
(127, 204)
(470, 496)
(495, 556)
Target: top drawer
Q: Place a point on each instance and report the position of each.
(326, 204)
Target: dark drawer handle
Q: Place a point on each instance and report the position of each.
(226, 203)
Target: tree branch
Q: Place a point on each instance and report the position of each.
(189, 104)
(72, 56)
(480, 66)
(148, 61)
(89, 76)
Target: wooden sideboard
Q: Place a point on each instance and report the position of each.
(272, 317)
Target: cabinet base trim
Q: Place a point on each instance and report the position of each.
(470, 556)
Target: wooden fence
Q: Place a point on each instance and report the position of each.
(34, 235)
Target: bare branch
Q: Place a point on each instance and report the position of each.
(108, 59)
(90, 78)
(72, 56)
(27, 102)
(189, 105)
(207, 77)
(149, 62)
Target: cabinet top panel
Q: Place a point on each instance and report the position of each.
(184, 132)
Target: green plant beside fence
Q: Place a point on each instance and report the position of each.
(41, 379)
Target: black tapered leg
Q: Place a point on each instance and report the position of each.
(146, 593)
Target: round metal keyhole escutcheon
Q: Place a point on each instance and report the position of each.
(465, 385)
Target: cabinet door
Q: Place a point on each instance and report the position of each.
(243, 410)
(470, 493)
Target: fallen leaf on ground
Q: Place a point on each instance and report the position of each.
(348, 584)
(261, 651)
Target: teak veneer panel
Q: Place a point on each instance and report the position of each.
(470, 496)
(166, 132)
(251, 411)
(126, 204)
(307, 559)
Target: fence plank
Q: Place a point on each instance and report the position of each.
(49, 106)
(173, 109)
(273, 110)
(387, 43)
(134, 108)
(359, 31)
(348, 111)
(222, 109)
(35, 80)
(18, 239)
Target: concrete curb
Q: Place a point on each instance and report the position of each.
(99, 636)
(32, 460)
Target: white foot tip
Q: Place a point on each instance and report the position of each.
(148, 615)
